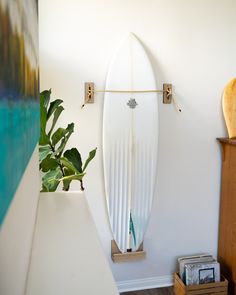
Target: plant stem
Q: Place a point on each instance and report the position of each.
(81, 185)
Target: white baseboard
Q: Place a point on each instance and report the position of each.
(147, 283)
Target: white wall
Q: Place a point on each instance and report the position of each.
(16, 232)
(192, 45)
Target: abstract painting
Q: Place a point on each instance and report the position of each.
(19, 93)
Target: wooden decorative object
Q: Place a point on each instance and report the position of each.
(219, 288)
(229, 107)
(227, 224)
(118, 256)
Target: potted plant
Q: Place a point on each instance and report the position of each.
(64, 222)
(57, 164)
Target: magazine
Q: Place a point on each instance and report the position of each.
(202, 273)
(192, 259)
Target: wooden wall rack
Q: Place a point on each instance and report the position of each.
(89, 92)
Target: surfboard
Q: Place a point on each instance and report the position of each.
(130, 144)
(229, 107)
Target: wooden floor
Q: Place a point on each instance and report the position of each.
(159, 291)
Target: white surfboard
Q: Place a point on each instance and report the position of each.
(130, 144)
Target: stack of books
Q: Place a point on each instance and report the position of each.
(199, 269)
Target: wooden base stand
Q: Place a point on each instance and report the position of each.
(118, 256)
(219, 288)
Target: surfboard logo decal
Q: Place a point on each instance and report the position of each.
(132, 103)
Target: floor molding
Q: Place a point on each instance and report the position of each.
(147, 283)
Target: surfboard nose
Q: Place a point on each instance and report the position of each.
(131, 36)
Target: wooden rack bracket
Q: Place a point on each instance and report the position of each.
(89, 92)
(118, 256)
(167, 93)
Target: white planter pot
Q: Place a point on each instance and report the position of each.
(67, 257)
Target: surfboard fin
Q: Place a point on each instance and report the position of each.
(131, 229)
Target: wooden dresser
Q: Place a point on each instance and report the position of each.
(227, 224)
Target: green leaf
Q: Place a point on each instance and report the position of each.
(43, 139)
(51, 180)
(70, 129)
(43, 189)
(60, 150)
(44, 151)
(68, 165)
(89, 159)
(48, 164)
(53, 106)
(58, 135)
(74, 157)
(77, 176)
(61, 132)
(45, 97)
(66, 183)
(55, 118)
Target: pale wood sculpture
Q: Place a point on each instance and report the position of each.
(229, 107)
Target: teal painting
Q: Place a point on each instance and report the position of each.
(19, 93)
